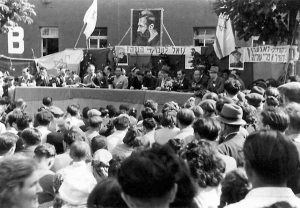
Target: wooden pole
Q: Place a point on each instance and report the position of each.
(81, 31)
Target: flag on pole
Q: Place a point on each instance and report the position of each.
(224, 42)
(90, 19)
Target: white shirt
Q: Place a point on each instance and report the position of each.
(208, 197)
(116, 138)
(44, 132)
(148, 139)
(73, 121)
(266, 196)
(186, 134)
(163, 135)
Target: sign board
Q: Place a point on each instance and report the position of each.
(236, 59)
(267, 53)
(15, 40)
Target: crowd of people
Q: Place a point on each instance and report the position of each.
(224, 147)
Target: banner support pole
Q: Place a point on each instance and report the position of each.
(168, 34)
(81, 31)
(125, 35)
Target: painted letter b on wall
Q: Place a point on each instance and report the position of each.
(15, 40)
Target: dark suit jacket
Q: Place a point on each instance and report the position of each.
(216, 86)
(150, 83)
(182, 86)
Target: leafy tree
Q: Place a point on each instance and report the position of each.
(274, 21)
(14, 11)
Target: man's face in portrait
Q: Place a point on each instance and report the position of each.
(237, 57)
(143, 33)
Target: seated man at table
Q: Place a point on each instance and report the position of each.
(26, 79)
(72, 78)
(149, 81)
(88, 80)
(42, 78)
(120, 81)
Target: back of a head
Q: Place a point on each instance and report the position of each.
(47, 101)
(44, 151)
(85, 111)
(145, 176)
(293, 110)
(7, 143)
(130, 138)
(112, 111)
(151, 104)
(207, 128)
(121, 123)
(79, 151)
(106, 194)
(23, 122)
(275, 118)
(13, 116)
(95, 121)
(185, 117)
(73, 110)
(74, 134)
(98, 142)
(205, 166)
(149, 124)
(272, 96)
(235, 186)
(124, 107)
(44, 118)
(169, 119)
(271, 156)
(31, 136)
(220, 103)
(147, 113)
(232, 87)
(14, 170)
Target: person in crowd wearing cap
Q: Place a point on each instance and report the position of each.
(19, 182)
(120, 81)
(43, 120)
(258, 90)
(209, 129)
(106, 193)
(149, 81)
(270, 159)
(200, 80)
(290, 92)
(77, 178)
(44, 155)
(255, 100)
(237, 59)
(185, 118)
(95, 122)
(232, 139)
(215, 83)
(181, 83)
(121, 125)
(232, 88)
(147, 179)
(7, 144)
(70, 136)
(31, 138)
(42, 78)
(26, 79)
(203, 161)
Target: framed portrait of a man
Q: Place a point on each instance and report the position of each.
(121, 56)
(236, 59)
(146, 27)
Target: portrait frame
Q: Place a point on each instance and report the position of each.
(135, 13)
(232, 60)
(124, 60)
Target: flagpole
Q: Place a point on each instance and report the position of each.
(81, 31)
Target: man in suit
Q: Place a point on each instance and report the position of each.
(200, 79)
(181, 83)
(237, 59)
(215, 83)
(42, 78)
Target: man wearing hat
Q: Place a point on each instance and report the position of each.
(290, 92)
(255, 100)
(215, 83)
(232, 139)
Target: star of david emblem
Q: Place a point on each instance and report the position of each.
(60, 64)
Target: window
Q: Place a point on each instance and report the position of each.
(98, 39)
(204, 36)
(50, 42)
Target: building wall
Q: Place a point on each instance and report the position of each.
(180, 16)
